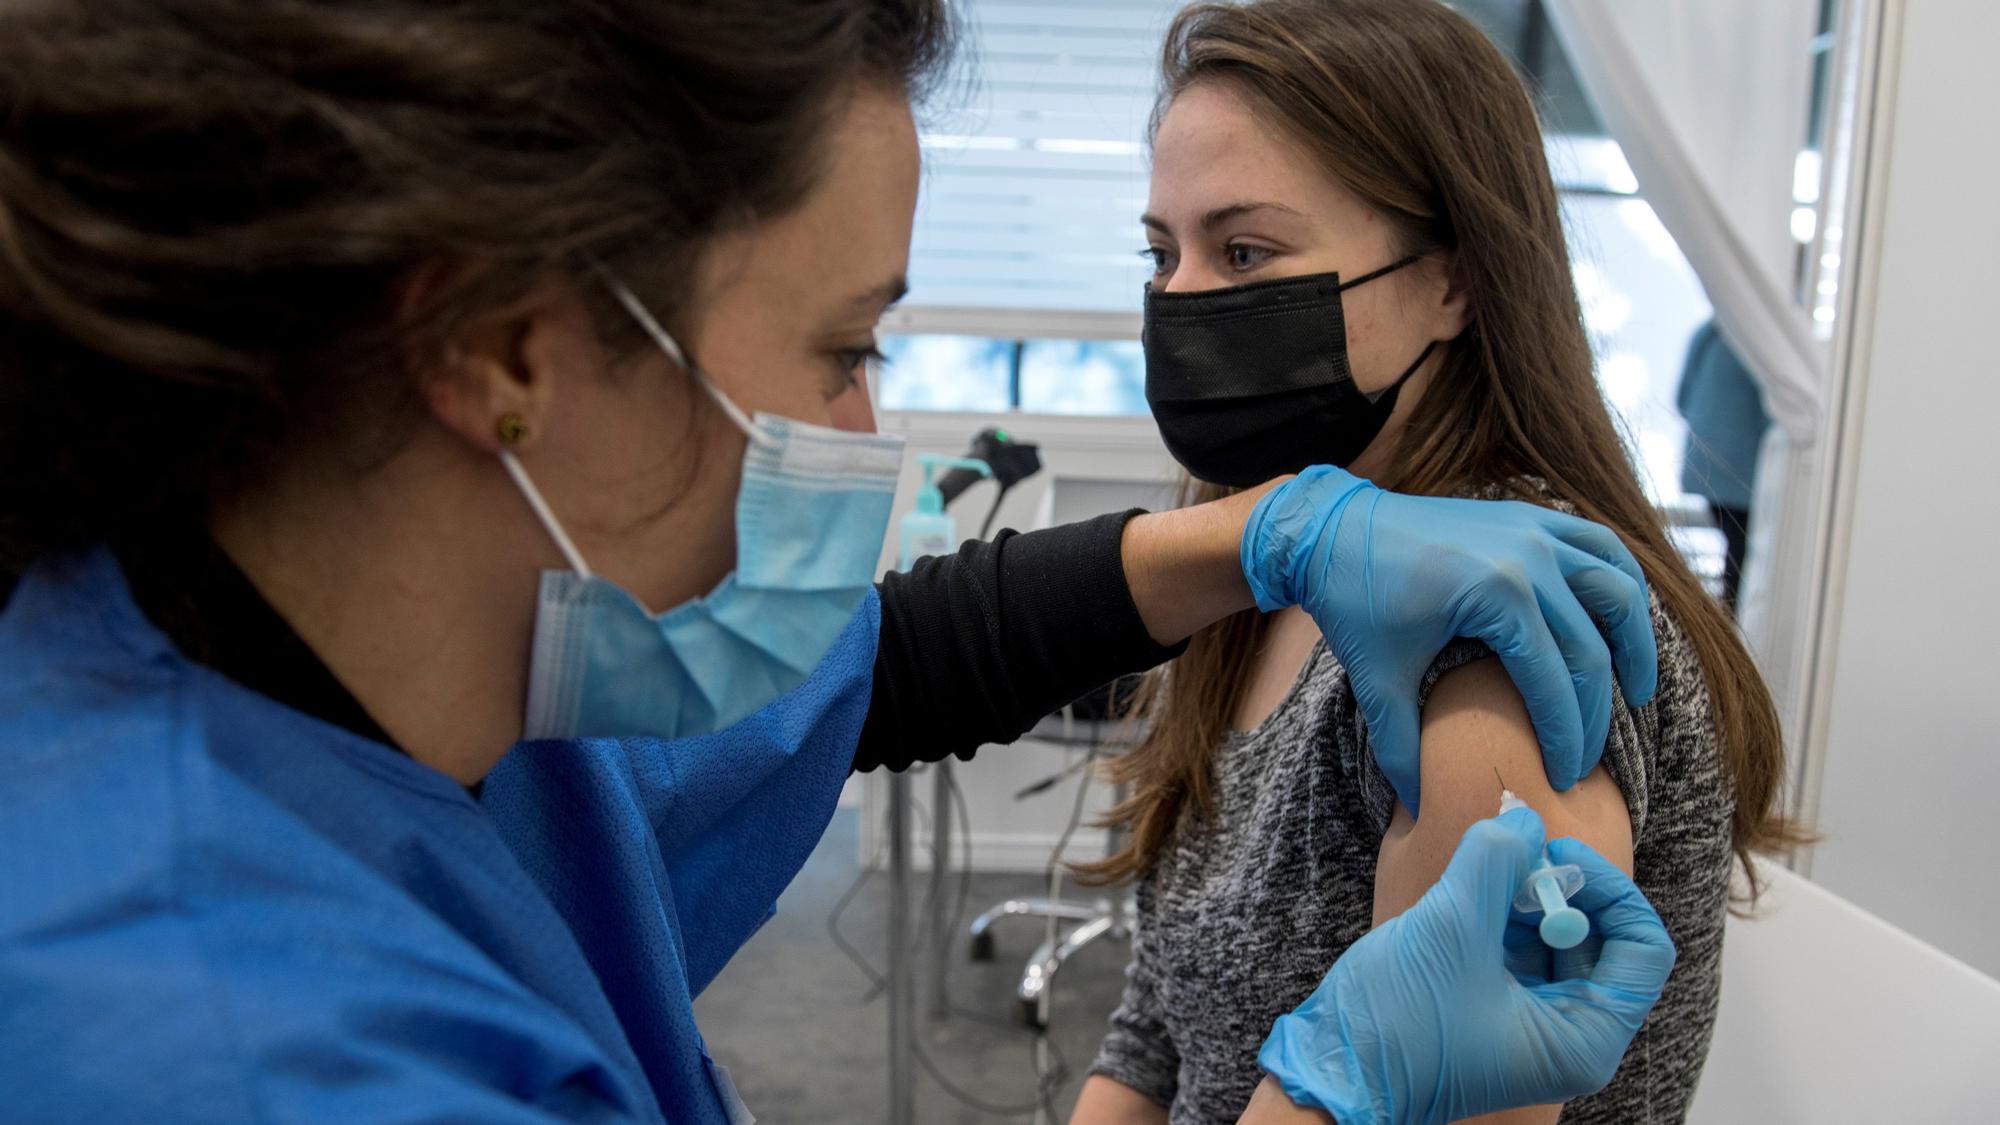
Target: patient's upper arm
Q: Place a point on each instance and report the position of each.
(1474, 726)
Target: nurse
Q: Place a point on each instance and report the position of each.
(386, 383)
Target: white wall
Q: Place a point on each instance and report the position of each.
(1911, 765)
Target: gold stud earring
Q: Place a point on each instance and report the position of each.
(511, 429)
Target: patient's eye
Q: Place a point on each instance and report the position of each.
(1243, 257)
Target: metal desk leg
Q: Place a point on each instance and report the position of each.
(941, 938)
(900, 992)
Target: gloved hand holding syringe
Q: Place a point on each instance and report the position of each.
(1499, 1027)
(1547, 890)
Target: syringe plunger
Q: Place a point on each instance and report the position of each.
(1548, 889)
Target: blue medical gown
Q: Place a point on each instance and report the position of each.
(214, 908)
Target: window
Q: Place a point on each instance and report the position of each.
(1641, 304)
(1035, 376)
(948, 373)
(1083, 377)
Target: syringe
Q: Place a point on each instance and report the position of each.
(1548, 889)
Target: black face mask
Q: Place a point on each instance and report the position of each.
(1251, 382)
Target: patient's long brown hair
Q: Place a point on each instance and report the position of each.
(1412, 108)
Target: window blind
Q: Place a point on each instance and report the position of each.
(1035, 170)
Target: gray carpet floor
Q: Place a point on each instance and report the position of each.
(795, 1020)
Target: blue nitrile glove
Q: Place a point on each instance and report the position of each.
(1423, 1020)
(1392, 579)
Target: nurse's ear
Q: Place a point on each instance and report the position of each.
(508, 362)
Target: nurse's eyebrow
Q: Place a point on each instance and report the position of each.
(1221, 215)
(881, 296)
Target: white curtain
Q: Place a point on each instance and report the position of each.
(1708, 100)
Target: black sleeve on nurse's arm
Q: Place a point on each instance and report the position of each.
(978, 645)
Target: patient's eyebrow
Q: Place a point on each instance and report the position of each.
(1220, 215)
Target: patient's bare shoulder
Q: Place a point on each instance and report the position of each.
(1476, 734)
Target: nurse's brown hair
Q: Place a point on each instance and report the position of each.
(1407, 104)
(208, 208)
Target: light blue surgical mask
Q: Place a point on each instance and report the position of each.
(811, 515)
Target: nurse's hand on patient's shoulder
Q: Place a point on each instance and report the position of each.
(1425, 1020)
(1392, 579)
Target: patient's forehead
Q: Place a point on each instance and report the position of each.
(1215, 150)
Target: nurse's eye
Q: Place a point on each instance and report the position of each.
(849, 365)
(1163, 259)
(1242, 257)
